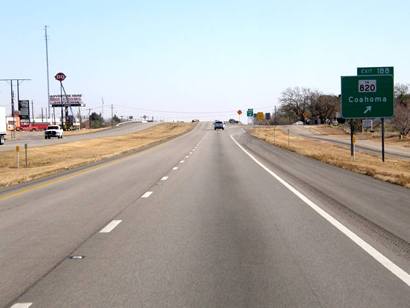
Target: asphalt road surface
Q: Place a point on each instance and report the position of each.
(209, 219)
(361, 145)
(37, 138)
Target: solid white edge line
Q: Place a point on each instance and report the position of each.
(379, 257)
(164, 178)
(21, 305)
(147, 194)
(111, 226)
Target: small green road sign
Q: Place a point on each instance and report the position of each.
(249, 112)
(365, 71)
(367, 96)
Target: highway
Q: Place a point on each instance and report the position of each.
(37, 138)
(209, 219)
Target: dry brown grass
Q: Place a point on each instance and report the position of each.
(392, 170)
(47, 160)
(84, 131)
(327, 130)
(391, 138)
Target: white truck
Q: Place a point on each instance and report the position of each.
(53, 131)
(2, 125)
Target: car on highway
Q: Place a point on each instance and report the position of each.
(53, 131)
(219, 125)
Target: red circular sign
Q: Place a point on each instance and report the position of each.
(239, 112)
(60, 76)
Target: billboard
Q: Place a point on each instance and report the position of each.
(24, 109)
(74, 100)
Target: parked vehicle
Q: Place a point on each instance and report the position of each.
(218, 125)
(32, 127)
(2, 125)
(53, 131)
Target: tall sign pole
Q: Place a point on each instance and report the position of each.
(61, 77)
(61, 101)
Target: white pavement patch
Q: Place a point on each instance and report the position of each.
(164, 178)
(108, 228)
(22, 305)
(147, 194)
(175, 168)
(379, 257)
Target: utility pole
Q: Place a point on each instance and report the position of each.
(89, 118)
(32, 111)
(102, 107)
(18, 92)
(79, 116)
(12, 98)
(48, 73)
(112, 115)
(275, 116)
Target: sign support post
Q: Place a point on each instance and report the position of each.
(61, 100)
(351, 139)
(382, 119)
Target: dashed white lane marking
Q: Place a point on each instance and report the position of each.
(147, 194)
(379, 257)
(175, 168)
(111, 226)
(187, 156)
(164, 178)
(182, 161)
(21, 305)
(190, 153)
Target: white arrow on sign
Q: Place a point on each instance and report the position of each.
(368, 108)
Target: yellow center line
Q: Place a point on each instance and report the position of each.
(59, 179)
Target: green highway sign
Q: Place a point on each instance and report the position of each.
(364, 71)
(249, 112)
(367, 96)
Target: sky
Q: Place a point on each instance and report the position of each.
(180, 60)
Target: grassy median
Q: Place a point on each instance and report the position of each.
(48, 160)
(395, 171)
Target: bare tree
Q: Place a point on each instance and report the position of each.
(324, 107)
(304, 103)
(401, 93)
(295, 102)
(401, 118)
